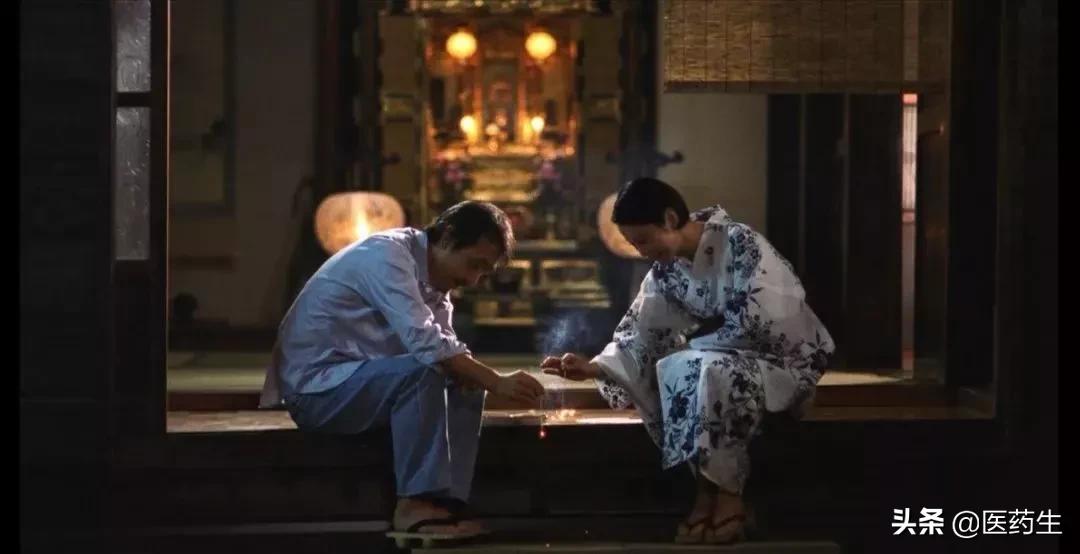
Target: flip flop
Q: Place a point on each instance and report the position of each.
(413, 534)
(460, 511)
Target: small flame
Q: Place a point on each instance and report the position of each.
(469, 126)
(563, 415)
(537, 124)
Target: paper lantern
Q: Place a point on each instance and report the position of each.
(609, 232)
(345, 218)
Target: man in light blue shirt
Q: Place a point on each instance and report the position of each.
(369, 342)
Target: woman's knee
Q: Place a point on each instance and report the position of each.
(678, 365)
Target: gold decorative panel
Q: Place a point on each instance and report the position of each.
(502, 6)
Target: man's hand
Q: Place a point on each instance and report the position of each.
(519, 386)
(570, 366)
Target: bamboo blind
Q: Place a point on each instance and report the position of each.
(883, 46)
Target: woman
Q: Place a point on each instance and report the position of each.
(719, 333)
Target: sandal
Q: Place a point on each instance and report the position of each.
(415, 528)
(685, 535)
(460, 511)
(712, 536)
(413, 534)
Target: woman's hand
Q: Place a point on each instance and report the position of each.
(570, 366)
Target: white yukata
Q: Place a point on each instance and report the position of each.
(709, 345)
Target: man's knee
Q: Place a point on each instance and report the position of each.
(467, 395)
(434, 378)
(428, 376)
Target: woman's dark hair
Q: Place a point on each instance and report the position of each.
(464, 224)
(643, 201)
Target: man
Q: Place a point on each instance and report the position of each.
(369, 342)
(718, 334)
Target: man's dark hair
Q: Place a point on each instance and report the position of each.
(643, 201)
(465, 223)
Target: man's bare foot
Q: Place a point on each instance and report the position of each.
(473, 527)
(467, 521)
(409, 511)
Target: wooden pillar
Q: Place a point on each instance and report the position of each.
(600, 107)
(401, 93)
(67, 121)
(329, 173)
(973, 154)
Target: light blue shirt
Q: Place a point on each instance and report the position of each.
(370, 300)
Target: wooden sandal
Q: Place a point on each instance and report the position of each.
(684, 534)
(461, 511)
(413, 535)
(712, 537)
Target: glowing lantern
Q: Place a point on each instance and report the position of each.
(537, 124)
(609, 232)
(469, 126)
(540, 45)
(345, 218)
(461, 45)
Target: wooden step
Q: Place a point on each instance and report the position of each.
(828, 396)
(749, 547)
